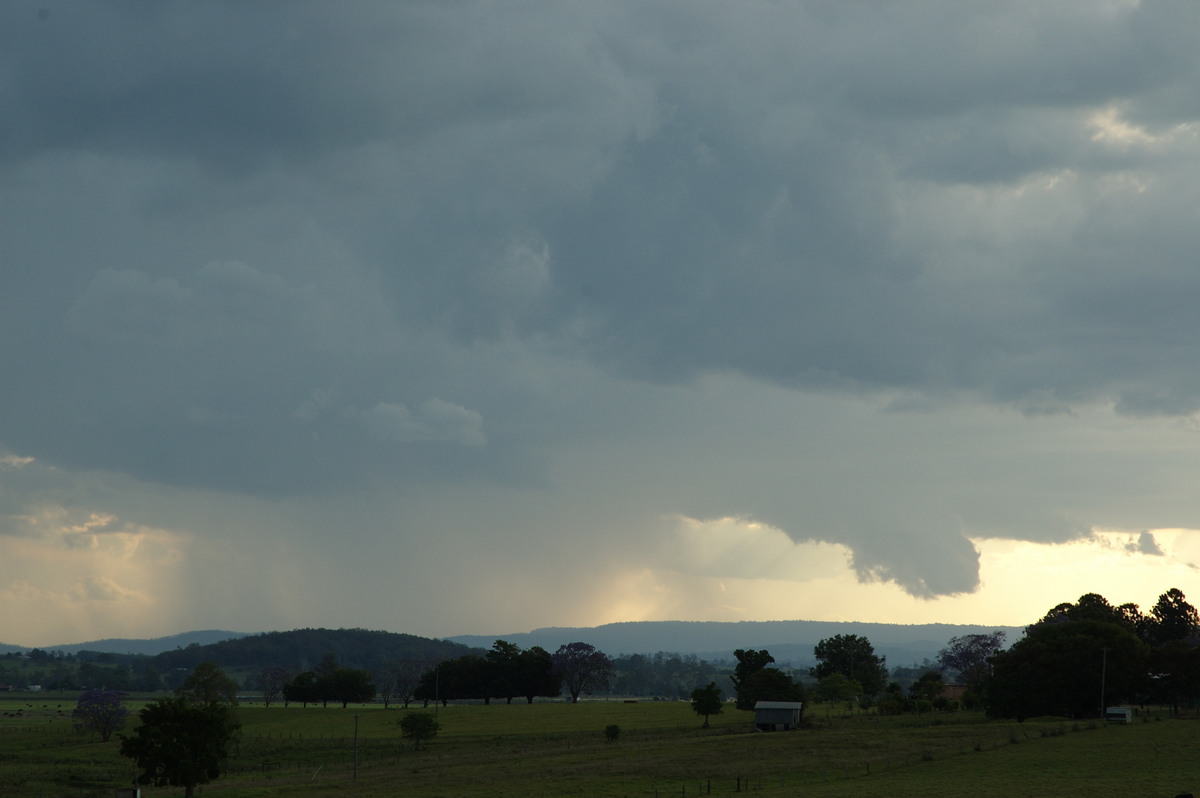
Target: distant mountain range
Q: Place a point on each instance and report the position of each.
(149, 647)
(788, 641)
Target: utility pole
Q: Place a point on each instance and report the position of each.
(355, 772)
(1103, 677)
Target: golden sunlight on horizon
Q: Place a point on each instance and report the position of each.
(735, 570)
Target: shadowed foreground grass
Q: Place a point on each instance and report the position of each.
(558, 749)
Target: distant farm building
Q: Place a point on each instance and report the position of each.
(953, 692)
(777, 715)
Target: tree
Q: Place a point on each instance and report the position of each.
(928, 687)
(1061, 668)
(430, 686)
(181, 743)
(768, 684)
(147, 679)
(208, 683)
(504, 663)
(100, 711)
(301, 689)
(1174, 674)
(465, 677)
(406, 679)
(1094, 607)
(1173, 618)
(968, 656)
(582, 668)
(385, 686)
(537, 676)
(707, 701)
(836, 687)
(854, 657)
(749, 661)
(345, 685)
(418, 726)
(1172, 630)
(273, 679)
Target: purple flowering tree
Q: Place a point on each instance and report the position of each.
(100, 711)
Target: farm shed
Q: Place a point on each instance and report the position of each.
(777, 715)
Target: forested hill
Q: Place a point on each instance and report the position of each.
(121, 645)
(788, 641)
(304, 649)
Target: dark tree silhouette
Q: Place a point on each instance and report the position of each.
(854, 657)
(582, 668)
(208, 683)
(768, 684)
(273, 679)
(707, 701)
(100, 711)
(181, 743)
(1059, 669)
(1173, 618)
(968, 656)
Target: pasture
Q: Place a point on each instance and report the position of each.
(558, 749)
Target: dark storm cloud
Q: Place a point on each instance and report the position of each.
(290, 247)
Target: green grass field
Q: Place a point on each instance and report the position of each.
(558, 749)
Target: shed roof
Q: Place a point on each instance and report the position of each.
(778, 705)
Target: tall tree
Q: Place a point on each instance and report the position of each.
(749, 661)
(504, 662)
(406, 678)
(1063, 668)
(854, 657)
(768, 684)
(1173, 618)
(181, 743)
(273, 679)
(582, 668)
(968, 656)
(537, 675)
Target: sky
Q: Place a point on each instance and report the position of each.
(479, 317)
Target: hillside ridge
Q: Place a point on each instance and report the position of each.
(788, 641)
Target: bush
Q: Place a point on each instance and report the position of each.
(418, 726)
(612, 732)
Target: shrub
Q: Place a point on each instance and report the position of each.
(418, 726)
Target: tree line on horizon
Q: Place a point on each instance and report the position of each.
(1061, 665)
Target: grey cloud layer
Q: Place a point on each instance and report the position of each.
(282, 248)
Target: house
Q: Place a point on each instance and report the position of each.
(777, 715)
